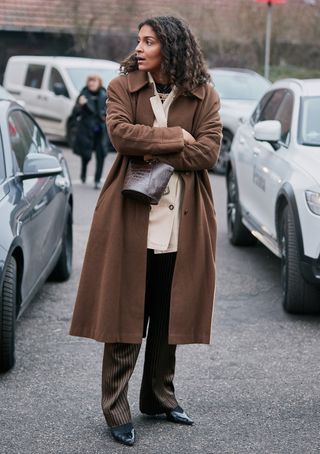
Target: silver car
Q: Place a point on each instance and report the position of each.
(36, 204)
(239, 90)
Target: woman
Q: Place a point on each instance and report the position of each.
(153, 266)
(91, 134)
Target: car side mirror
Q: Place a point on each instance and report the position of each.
(38, 165)
(59, 89)
(268, 131)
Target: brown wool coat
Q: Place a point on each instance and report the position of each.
(110, 300)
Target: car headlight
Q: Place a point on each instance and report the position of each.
(313, 201)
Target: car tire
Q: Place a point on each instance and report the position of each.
(238, 234)
(8, 306)
(299, 297)
(63, 268)
(222, 163)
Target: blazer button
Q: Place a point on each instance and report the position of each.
(185, 212)
(171, 207)
(187, 173)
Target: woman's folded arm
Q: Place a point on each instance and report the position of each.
(204, 152)
(135, 139)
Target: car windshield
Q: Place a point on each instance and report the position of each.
(309, 131)
(79, 75)
(236, 85)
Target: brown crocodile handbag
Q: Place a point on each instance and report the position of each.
(146, 180)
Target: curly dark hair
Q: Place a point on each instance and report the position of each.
(183, 60)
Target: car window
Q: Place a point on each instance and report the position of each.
(79, 76)
(34, 76)
(284, 115)
(20, 138)
(56, 78)
(35, 132)
(309, 127)
(2, 168)
(257, 112)
(272, 105)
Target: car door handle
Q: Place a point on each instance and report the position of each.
(41, 204)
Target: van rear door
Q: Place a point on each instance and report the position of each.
(14, 77)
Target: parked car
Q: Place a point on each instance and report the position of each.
(49, 87)
(273, 182)
(36, 218)
(239, 90)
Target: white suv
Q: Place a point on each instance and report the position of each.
(273, 183)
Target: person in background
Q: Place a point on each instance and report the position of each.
(91, 132)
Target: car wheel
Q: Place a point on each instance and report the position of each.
(221, 165)
(238, 234)
(8, 316)
(299, 297)
(63, 268)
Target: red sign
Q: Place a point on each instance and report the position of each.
(273, 2)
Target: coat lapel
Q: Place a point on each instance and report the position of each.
(144, 114)
(139, 84)
(158, 107)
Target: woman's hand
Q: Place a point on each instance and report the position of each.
(187, 137)
(82, 100)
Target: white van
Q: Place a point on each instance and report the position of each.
(49, 87)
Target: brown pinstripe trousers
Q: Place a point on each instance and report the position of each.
(119, 359)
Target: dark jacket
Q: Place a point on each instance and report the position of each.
(90, 120)
(111, 295)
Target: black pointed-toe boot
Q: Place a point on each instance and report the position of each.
(124, 434)
(179, 416)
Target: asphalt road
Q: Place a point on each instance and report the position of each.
(256, 389)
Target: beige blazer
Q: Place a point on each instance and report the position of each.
(164, 218)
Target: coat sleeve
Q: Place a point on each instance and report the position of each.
(78, 109)
(136, 139)
(203, 154)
